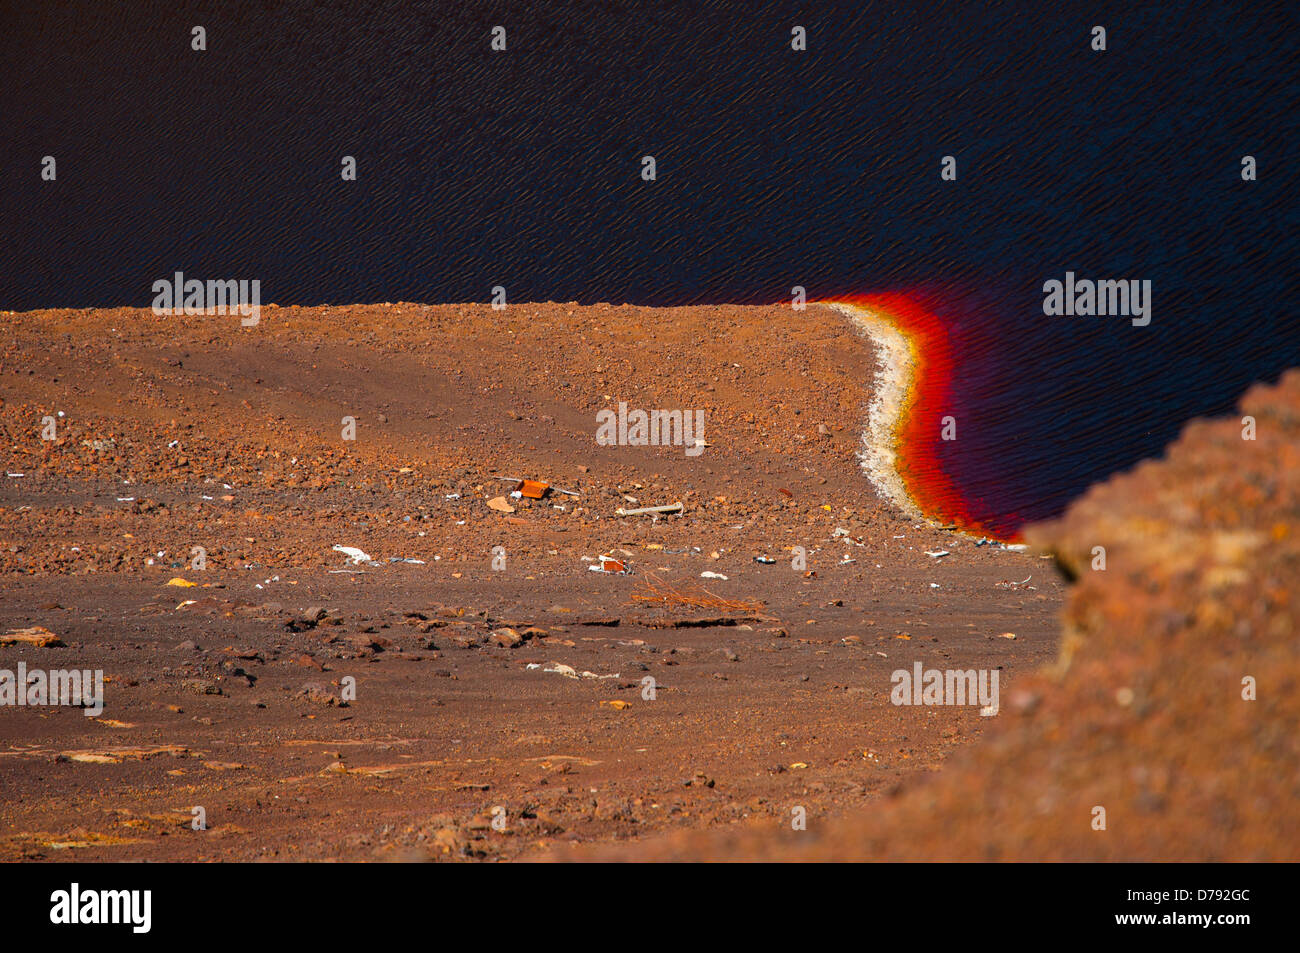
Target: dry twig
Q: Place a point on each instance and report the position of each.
(664, 592)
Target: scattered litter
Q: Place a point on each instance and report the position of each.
(608, 564)
(644, 510)
(765, 560)
(1005, 584)
(15, 475)
(405, 559)
(845, 561)
(617, 704)
(452, 496)
(1007, 635)
(937, 553)
(568, 671)
(355, 556)
(534, 489)
(707, 574)
(1016, 547)
(126, 499)
(934, 585)
(499, 504)
(178, 581)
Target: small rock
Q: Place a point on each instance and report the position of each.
(35, 636)
(317, 695)
(201, 686)
(506, 638)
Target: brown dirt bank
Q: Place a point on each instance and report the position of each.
(1143, 713)
(194, 431)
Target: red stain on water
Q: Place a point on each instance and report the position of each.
(919, 443)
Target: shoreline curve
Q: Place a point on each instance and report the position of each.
(895, 378)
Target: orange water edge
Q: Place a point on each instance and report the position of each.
(918, 431)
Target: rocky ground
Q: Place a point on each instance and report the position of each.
(1168, 728)
(480, 703)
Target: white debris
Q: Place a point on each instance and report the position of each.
(356, 556)
(568, 671)
(712, 575)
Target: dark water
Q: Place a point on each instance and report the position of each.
(775, 168)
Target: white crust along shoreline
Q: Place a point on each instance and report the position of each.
(895, 371)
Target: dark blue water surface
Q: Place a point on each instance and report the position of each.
(775, 168)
